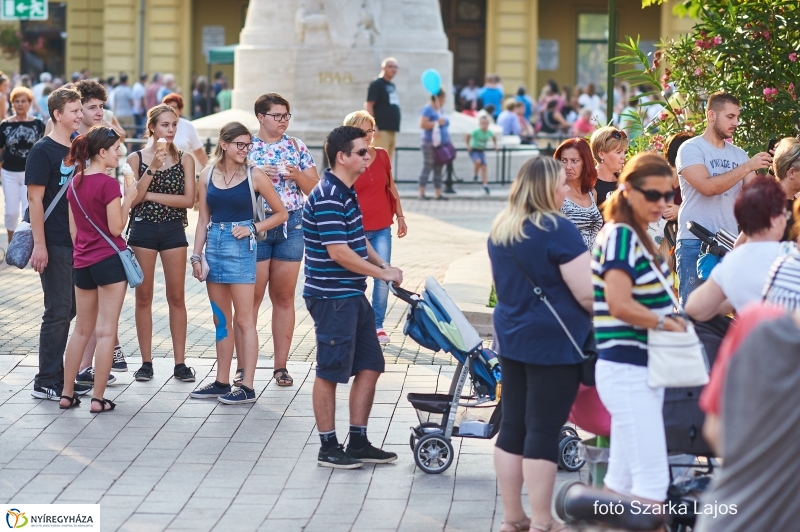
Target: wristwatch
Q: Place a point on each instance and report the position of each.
(148, 171)
(660, 324)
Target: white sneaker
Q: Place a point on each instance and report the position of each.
(383, 338)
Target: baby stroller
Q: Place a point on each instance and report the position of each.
(435, 322)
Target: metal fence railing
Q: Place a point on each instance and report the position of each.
(503, 164)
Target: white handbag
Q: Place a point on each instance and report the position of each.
(675, 359)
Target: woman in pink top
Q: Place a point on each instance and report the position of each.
(98, 275)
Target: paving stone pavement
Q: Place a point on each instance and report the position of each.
(163, 461)
(440, 232)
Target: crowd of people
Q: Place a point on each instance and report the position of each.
(263, 209)
(581, 226)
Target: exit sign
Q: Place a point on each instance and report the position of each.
(24, 10)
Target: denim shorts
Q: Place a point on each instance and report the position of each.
(159, 236)
(346, 339)
(478, 155)
(287, 247)
(231, 260)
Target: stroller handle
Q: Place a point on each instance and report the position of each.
(405, 295)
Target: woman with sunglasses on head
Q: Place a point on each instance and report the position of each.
(630, 299)
(18, 134)
(786, 167)
(165, 180)
(99, 276)
(227, 230)
(608, 148)
(580, 205)
(288, 164)
(379, 202)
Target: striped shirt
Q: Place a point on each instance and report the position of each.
(331, 216)
(618, 247)
(783, 282)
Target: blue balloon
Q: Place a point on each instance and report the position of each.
(432, 81)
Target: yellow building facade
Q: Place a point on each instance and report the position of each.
(486, 36)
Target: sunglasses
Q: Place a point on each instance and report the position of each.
(619, 135)
(362, 152)
(654, 195)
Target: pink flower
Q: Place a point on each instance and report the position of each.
(662, 116)
(766, 35)
(791, 87)
(698, 71)
(717, 40)
(770, 93)
(793, 57)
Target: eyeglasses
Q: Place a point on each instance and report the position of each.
(619, 135)
(654, 195)
(279, 117)
(370, 131)
(362, 152)
(244, 146)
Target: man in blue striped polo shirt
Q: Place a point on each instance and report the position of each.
(338, 259)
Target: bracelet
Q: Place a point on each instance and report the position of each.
(195, 258)
(398, 217)
(385, 265)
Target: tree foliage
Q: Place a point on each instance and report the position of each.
(747, 48)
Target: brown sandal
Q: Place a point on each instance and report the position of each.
(282, 377)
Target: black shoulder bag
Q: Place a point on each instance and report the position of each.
(589, 352)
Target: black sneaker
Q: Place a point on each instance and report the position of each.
(81, 389)
(145, 373)
(51, 393)
(86, 377)
(183, 373)
(119, 360)
(371, 455)
(338, 459)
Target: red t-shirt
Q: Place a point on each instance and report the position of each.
(745, 322)
(374, 195)
(95, 192)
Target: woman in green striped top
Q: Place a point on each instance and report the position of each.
(629, 299)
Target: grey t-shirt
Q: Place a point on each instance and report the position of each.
(712, 212)
(760, 429)
(123, 101)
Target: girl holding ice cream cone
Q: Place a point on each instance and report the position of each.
(158, 223)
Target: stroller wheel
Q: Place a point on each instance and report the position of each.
(421, 429)
(568, 457)
(567, 431)
(433, 453)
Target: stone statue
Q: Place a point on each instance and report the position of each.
(323, 54)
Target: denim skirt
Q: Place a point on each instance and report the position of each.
(231, 260)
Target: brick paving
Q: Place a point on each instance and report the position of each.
(163, 461)
(436, 238)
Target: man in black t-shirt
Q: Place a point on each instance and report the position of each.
(45, 174)
(384, 104)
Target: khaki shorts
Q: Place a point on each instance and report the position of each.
(385, 140)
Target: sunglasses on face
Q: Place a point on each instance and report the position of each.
(362, 152)
(654, 195)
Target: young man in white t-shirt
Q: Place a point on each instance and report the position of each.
(711, 172)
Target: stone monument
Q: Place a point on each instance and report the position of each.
(321, 55)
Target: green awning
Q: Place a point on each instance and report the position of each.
(221, 55)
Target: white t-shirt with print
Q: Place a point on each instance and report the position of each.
(283, 152)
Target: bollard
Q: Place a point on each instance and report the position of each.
(448, 183)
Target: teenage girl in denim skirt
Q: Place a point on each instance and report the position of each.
(226, 229)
